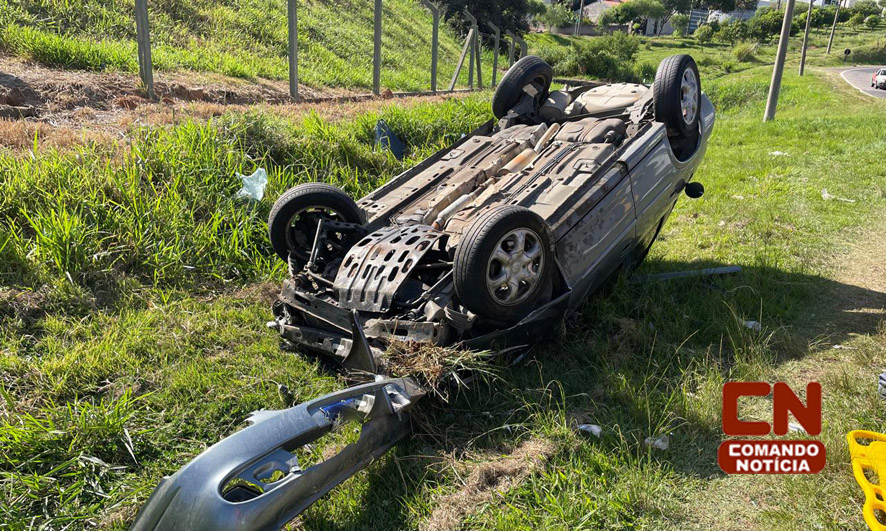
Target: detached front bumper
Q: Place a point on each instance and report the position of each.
(252, 479)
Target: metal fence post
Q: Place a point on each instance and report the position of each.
(461, 60)
(511, 38)
(376, 52)
(143, 36)
(292, 16)
(497, 33)
(475, 51)
(524, 49)
(435, 13)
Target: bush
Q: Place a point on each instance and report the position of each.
(679, 22)
(872, 22)
(733, 31)
(865, 8)
(704, 34)
(856, 20)
(610, 58)
(744, 51)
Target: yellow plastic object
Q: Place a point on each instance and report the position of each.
(870, 457)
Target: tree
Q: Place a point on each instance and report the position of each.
(633, 12)
(674, 7)
(511, 15)
(556, 15)
(679, 22)
(732, 31)
(872, 22)
(704, 34)
(866, 8)
(856, 20)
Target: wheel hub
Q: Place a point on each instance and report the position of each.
(689, 96)
(514, 269)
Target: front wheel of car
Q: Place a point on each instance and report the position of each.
(676, 96)
(292, 224)
(503, 264)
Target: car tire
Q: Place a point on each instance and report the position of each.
(526, 71)
(493, 277)
(292, 224)
(676, 96)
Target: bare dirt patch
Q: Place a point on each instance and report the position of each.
(487, 480)
(67, 107)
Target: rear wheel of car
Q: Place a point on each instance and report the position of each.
(529, 71)
(677, 96)
(503, 264)
(292, 224)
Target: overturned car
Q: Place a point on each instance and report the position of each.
(511, 227)
(486, 242)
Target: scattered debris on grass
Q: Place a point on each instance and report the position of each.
(253, 185)
(827, 197)
(487, 480)
(593, 429)
(660, 443)
(753, 325)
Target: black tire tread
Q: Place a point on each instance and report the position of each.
(668, 75)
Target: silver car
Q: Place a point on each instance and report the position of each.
(490, 240)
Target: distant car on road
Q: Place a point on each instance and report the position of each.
(878, 80)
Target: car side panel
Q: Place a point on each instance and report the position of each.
(600, 241)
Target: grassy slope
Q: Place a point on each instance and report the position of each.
(125, 324)
(241, 39)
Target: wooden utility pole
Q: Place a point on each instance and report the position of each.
(834, 26)
(775, 85)
(806, 37)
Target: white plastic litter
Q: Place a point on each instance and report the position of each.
(661, 443)
(753, 325)
(253, 185)
(593, 429)
(827, 197)
(778, 154)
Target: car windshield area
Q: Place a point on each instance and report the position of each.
(882, 72)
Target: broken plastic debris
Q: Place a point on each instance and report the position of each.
(739, 197)
(659, 442)
(793, 426)
(827, 197)
(386, 139)
(753, 325)
(778, 154)
(593, 429)
(253, 185)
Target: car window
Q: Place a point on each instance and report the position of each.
(882, 72)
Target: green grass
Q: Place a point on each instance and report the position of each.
(240, 39)
(133, 302)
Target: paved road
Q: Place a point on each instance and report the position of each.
(860, 78)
